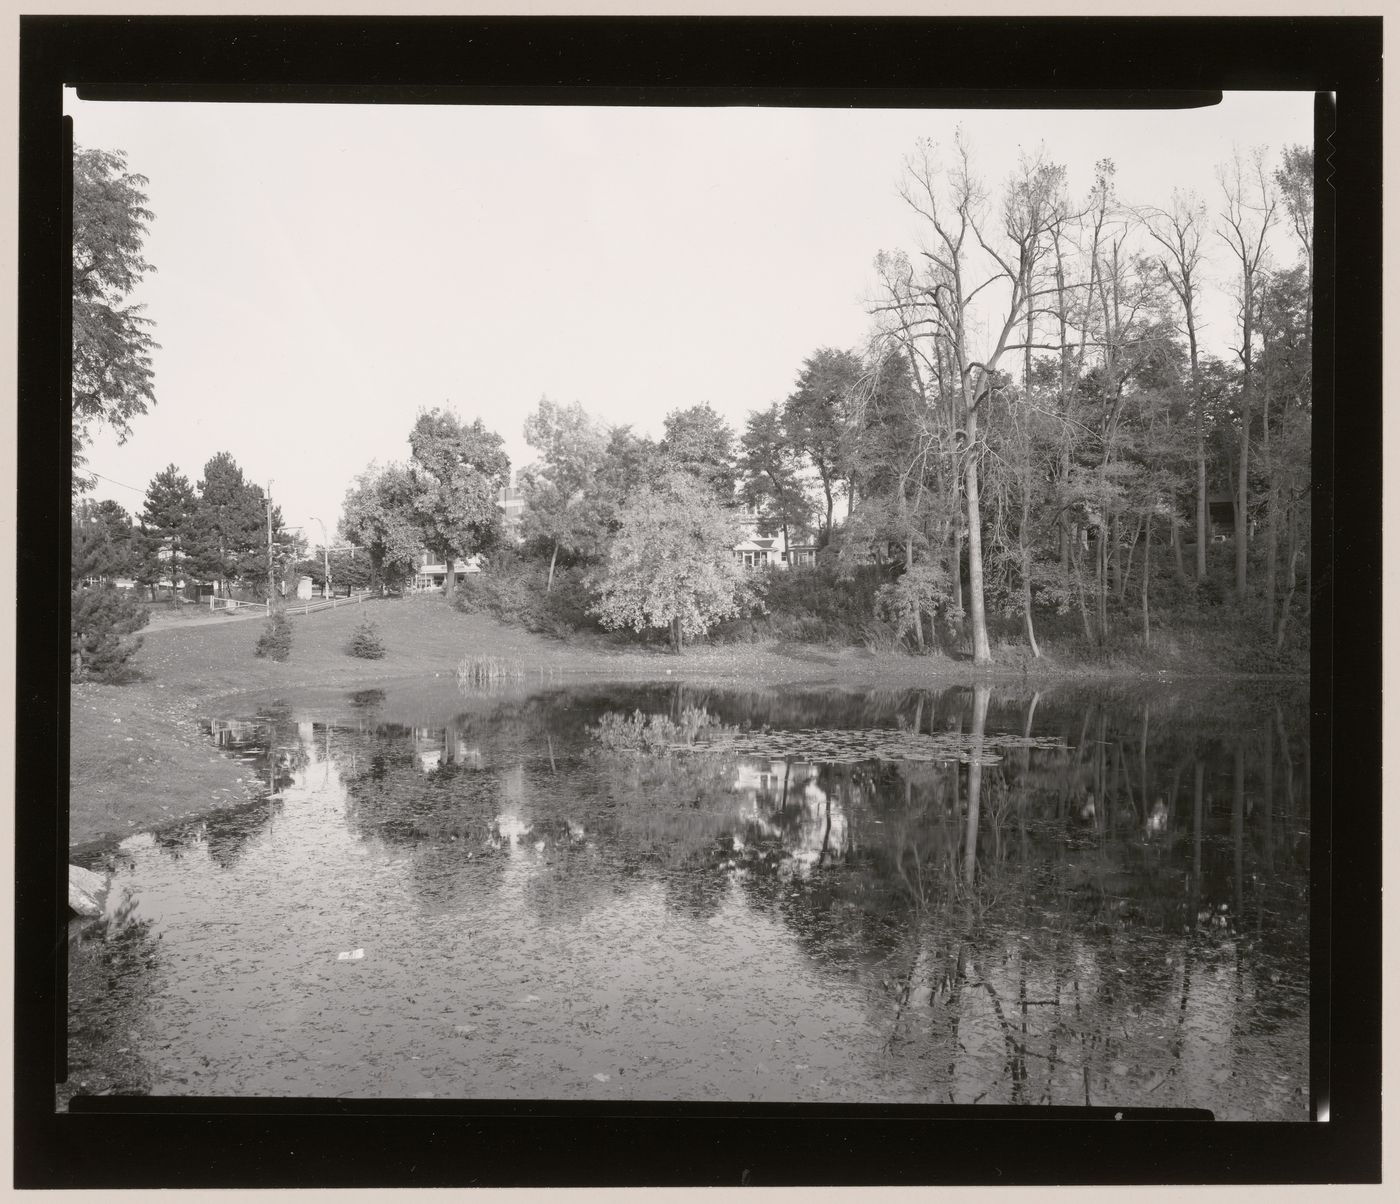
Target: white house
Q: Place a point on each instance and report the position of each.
(756, 551)
(434, 576)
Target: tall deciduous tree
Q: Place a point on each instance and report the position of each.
(459, 469)
(671, 564)
(1248, 214)
(968, 254)
(700, 442)
(379, 515)
(113, 380)
(1178, 232)
(558, 488)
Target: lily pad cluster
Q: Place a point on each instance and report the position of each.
(844, 747)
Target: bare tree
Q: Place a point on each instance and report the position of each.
(1178, 231)
(1248, 214)
(965, 258)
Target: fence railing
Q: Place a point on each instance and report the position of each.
(235, 606)
(306, 608)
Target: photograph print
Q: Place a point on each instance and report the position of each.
(679, 604)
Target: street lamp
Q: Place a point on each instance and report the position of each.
(325, 548)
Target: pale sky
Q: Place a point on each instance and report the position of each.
(325, 271)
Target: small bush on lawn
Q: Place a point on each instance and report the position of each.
(275, 643)
(365, 642)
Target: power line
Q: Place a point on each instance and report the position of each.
(109, 480)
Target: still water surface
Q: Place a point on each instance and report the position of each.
(664, 892)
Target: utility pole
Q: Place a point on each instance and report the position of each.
(326, 549)
(271, 588)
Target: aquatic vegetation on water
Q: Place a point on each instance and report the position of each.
(835, 747)
(699, 731)
(475, 669)
(641, 732)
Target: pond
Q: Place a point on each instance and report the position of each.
(613, 892)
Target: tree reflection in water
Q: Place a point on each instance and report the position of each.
(1060, 896)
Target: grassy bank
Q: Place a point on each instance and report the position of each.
(139, 760)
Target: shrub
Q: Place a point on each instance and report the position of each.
(818, 605)
(101, 623)
(514, 592)
(365, 641)
(275, 642)
(903, 603)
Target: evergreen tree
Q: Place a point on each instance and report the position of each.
(772, 482)
(167, 518)
(228, 540)
(102, 619)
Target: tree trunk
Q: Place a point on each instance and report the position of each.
(1270, 555)
(1146, 576)
(1198, 816)
(1202, 508)
(553, 556)
(1103, 584)
(1176, 547)
(1030, 619)
(981, 649)
(1115, 557)
(450, 583)
(1202, 513)
(1242, 495)
(958, 601)
(918, 613)
(1237, 830)
(1079, 587)
(1271, 502)
(1287, 606)
(677, 636)
(1128, 568)
(980, 696)
(1269, 796)
(955, 541)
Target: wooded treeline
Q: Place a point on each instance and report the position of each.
(1041, 428)
(1034, 426)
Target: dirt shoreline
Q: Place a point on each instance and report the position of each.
(139, 761)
